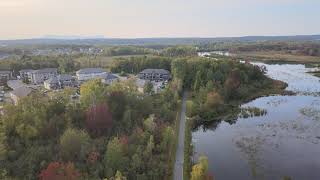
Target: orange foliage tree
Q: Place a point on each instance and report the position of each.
(59, 171)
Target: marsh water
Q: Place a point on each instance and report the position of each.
(283, 143)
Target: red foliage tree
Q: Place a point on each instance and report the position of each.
(124, 140)
(93, 157)
(233, 80)
(232, 83)
(60, 171)
(99, 119)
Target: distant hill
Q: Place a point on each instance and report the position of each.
(99, 40)
(72, 37)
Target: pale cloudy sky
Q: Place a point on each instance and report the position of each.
(158, 18)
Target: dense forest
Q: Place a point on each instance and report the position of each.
(114, 132)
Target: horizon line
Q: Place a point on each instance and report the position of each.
(88, 37)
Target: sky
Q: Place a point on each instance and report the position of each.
(158, 18)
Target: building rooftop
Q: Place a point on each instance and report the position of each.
(26, 70)
(65, 77)
(62, 77)
(110, 76)
(21, 92)
(46, 70)
(53, 80)
(90, 70)
(158, 71)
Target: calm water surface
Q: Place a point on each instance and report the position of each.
(285, 142)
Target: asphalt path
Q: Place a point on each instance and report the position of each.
(178, 166)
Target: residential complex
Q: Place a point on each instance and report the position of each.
(90, 73)
(155, 74)
(38, 76)
(60, 81)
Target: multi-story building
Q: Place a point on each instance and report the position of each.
(90, 73)
(5, 76)
(25, 74)
(41, 75)
(154, 75)
(60, 81)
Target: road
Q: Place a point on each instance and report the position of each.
(178, 166)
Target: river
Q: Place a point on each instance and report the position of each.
(283, 143)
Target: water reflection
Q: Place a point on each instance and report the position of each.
(284, 142)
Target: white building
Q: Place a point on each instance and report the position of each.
(90, 73)
(41, 75)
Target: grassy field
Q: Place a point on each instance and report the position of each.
(278, 56)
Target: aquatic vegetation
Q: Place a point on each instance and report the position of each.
(274, 102)
(251, 148)
(248, 112)
(311, 112)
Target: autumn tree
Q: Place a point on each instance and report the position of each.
(148, 88)
(99, 119)
(213, 100)
(117, 102)
(149, 123)
(92, 92)
(60, 171)
(200, 170)
(232, 83)
(115, 158)
(74, 144)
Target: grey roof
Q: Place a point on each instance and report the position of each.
(26, 70)
(65, 77)
(90, 70)
(45, 70)
(53, 80)
(158, 71)
(22, 92)
(110, 76)
(62, 77)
